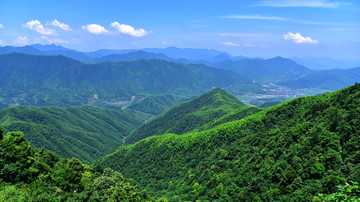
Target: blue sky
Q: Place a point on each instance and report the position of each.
(261, 28)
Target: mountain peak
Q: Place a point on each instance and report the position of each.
(49, 47)
(189, 116)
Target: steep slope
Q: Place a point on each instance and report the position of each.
(327, 79)
(82, 132)
(289, 152)
(265, 71)
(31, 174)
(57, 80)
(189, 116)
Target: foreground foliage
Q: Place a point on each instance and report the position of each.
(29, 174)
(290, 152)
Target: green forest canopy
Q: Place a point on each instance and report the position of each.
(291, 152)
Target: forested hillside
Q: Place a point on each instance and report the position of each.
(30, 174)
(293, 151)
(156, 104)
(194, 115)
(60, 81)
(82, 132)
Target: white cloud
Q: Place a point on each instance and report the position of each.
(254, 17)
(229, 43)
(37, 26)
(298, 39)
(302, 3)
(21, 41)
(127, 29)
(95, 29)
(47, 40)
(2, 42)
(61, 25)
(1, 26)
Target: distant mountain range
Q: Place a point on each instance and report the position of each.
(326, 79)
(266, 71)
(281, 71)
(183, 55)
(58, 80)
(324, 63)
(170, 54)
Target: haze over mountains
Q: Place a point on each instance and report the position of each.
(254, 69)
(184, 55)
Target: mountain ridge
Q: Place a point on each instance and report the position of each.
(53, 80)
(189, 116)
(292, 151)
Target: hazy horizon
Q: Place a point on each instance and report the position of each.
(261, 28)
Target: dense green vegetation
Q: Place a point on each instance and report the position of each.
(60, 81)
(267, 102)
(30, 174)
(156, 104)
(265, 71)
(84, 132)
(299, 150)
(327, 79)
(189, 116)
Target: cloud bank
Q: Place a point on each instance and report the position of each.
(61, 25)
(229, 43)
(129, 30)
(95, 29)
(298, 39)
(38, 27)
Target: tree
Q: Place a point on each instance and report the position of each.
(1, 133)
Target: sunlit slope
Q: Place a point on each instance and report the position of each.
(190, 116)
(289, 152)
